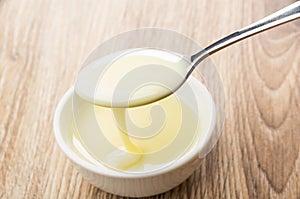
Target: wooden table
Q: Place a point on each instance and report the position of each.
(42, 46)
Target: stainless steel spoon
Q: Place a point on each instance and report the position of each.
(88, 77)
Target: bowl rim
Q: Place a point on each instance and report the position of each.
(184, 159)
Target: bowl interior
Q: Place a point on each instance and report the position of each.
(64, 118)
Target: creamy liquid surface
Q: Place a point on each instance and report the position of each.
(147, 147)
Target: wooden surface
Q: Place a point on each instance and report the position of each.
(42, 44)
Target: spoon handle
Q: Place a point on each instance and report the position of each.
(284, 15)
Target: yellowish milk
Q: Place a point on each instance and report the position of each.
(118, 149)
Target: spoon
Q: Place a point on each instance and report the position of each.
(88, 79)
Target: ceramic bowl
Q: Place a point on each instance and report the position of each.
(135, 184)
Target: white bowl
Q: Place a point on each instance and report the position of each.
(127, 184)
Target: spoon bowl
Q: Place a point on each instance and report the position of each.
(132, 77)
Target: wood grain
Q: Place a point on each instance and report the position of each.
(42, 46)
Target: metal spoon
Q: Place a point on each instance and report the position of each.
(87, 78)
